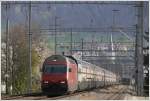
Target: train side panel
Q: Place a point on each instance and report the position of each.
(91, 76)
(88, 77)
(82, 81)
(72, 75)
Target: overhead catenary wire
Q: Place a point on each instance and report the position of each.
(74, 2)
(126, 35)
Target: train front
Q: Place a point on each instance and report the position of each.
(54, 75)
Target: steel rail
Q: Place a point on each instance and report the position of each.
(120, 94)
(117, 95)
(44, 97)
(11, 97)
(19, 96)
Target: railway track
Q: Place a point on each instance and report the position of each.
(62, 96)
(118, 94)
(41, 97)
(22, 96)
(113, 93)
(10, 97)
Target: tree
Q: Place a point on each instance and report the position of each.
(18, 57)
(19, 67)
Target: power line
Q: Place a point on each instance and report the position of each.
(73, 2)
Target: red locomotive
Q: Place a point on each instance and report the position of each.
(61, 74)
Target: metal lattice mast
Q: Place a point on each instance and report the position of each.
(111, 40)
(82, 47)
(30, 51)
(139, 50)
(7, 49)
(71, 42)
(55, 34)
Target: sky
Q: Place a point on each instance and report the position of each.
(74, 15)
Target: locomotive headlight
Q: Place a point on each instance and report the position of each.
(45, 81)
(62, 82)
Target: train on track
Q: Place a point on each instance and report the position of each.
(65, 74)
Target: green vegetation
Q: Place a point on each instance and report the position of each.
(35, 75)
(18, 69)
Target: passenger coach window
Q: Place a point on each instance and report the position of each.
(55, 69)
(70, 70)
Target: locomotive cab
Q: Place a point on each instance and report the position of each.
(57, 75)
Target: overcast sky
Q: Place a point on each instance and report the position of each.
(74, 15)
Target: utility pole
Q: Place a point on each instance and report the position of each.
(139, 50)
(114, 20)
(136, 70)
(56, 34)
(56, 25)
(7, 48)
(82, 47)
(114, 27)
(71, 42)
(92, 45)
(30, 51)
(111, 39)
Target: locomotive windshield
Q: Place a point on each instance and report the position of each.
(55, 69)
